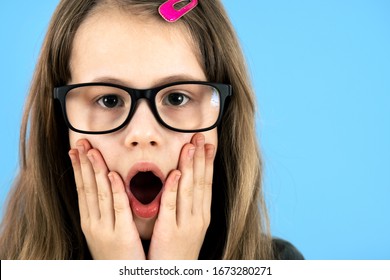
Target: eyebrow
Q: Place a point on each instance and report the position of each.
(159, 82)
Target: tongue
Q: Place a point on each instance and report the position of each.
(145, 186)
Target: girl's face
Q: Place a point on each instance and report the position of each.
(111, 46)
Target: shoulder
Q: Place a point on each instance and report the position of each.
(284, 250)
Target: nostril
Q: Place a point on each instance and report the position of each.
(153, 143)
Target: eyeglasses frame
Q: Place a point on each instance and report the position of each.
(225, 91)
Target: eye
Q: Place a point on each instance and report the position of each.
(176, 99)
(110, 101)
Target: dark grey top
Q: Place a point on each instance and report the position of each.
(284, 250)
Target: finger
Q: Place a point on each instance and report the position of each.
(208, 186)
(103, 184)
(83, 208)
(168, 205)
(89, 181)
(199, 174)
(186, 184)
(122, 210)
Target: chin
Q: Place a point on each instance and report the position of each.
(145, 227)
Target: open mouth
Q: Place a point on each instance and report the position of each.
(145, 186)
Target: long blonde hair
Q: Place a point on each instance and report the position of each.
(42, 219)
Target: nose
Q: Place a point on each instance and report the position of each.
(143, 131)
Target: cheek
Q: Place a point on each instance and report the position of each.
(175, 145)
(168, 150)
(100, 142)
(211, 137)
(73, 137)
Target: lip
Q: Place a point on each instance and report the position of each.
(150, 210)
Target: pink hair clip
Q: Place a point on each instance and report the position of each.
(168, 11)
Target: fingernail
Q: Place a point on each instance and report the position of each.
(191, 153)
(111, 178)
(80, 148)
(72, 156)
(200, 141)
(91, 157)
(177, 177)
(210, 152)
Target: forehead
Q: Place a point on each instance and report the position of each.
(135, 49)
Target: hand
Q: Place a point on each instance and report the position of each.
(184, 214)
(106, 218)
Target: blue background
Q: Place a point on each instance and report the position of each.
(321, 70)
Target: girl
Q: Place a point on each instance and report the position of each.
(141, 140)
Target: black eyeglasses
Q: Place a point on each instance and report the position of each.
(97, 108)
